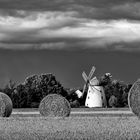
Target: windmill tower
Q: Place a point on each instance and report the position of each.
(95, 95)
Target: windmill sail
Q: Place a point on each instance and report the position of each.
(91, 72)
(85, 76)
(86, 80)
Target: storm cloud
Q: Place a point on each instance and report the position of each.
(105, 24)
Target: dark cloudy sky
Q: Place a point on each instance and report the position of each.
(65, 37)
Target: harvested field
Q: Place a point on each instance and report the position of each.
(40, 128)
(94, 124)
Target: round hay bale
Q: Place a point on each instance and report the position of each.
(54, 105)
(6, 105)
(134, 98)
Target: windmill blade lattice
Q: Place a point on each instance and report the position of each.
(91, 72)
(88, 78)
(85, 77)
(84, 88)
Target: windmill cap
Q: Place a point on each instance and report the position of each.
(94, 81)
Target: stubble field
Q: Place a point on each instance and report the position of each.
(96, 124)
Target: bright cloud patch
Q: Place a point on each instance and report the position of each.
(62, 30)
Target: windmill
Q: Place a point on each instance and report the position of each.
(95, 95)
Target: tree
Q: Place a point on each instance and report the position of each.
(115, 89)
(125, 95)
(9, 89)
(34, 89)
(106, 82)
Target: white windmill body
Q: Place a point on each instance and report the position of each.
(94, 97)
(95, 94)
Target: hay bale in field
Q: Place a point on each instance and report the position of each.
(54, 105)
(134, 98)
(6, 105)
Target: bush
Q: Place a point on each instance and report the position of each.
(113, 101)
(75, 104)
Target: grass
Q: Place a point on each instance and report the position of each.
(43, 128)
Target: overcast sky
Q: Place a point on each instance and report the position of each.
(66, 37)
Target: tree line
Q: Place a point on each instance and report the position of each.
(35, 87)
